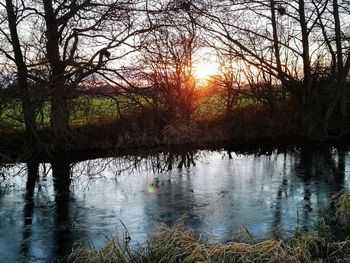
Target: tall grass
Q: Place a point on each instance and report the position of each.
(343, 210)
(179, 244)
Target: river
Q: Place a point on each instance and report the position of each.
(61, 203)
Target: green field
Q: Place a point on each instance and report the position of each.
(99, 110)
(83, 111)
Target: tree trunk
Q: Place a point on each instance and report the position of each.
(275, 41)
(306, 55)
(59, 89)
(337, 37)
(60, 111)
(339, 98)
(340, 65)
(22, 72)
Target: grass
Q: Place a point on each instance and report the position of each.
(179, 244)
(11, 116)
(113, 251)
(92, 110)
(97, 110)
(85, 111)
(343, 210)
(96, 123)
(210, 107)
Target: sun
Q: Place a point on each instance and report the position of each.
(204, 70)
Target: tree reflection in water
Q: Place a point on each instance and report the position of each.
(61, 173)
(76, 199)
(32, 177)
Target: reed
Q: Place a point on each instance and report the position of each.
(179, 244)
(343, 210)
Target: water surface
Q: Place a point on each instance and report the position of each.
(41, 219)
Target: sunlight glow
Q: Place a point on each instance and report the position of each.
(204, 70)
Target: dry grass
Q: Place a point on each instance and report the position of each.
(343, 210)
(111, 252)
(179, 244)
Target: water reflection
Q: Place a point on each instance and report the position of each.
(43, 221)
(61, 173)
(46, 208)
(32, 177)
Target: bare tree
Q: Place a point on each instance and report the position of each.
(167, 65)
(342, 68)
(15, 54)
(229, 83)
(68, 42)
(68, 31)
(286, 40)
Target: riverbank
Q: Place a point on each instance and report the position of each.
(248, 127)
(180, 244)
(251, 128)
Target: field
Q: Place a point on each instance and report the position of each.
(101, 122)
(99, 110)
(84, 111)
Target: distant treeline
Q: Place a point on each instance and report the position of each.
(283, 67)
